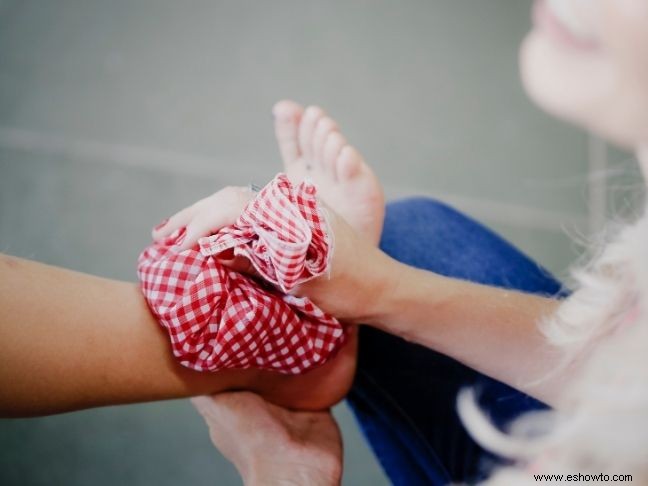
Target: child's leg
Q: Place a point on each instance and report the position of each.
(70, 340)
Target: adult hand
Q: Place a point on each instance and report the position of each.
(361, 275)
(271, 445)
(360, 281)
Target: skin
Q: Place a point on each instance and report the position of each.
(103, 347)
(305, 447)
(604, 89)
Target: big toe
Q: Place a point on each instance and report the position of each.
(287, 116)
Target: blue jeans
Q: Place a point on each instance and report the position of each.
(404, 395)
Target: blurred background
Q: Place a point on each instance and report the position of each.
(115, 114)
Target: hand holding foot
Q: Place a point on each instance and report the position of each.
(311, 145)
(271, 445)
(320, 388)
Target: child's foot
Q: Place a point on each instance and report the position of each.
(318, 389)
(311, 146)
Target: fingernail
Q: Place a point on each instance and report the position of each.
(162, 223)
(181, 237)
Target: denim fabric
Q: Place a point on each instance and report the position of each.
(404, 395)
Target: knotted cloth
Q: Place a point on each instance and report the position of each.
(218, 318)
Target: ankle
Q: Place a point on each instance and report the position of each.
(387, 276)
(316, 390)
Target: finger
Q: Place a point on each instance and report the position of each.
(177, 221)
(227, 404)
(213, 414)
(202, 404)
(214, 213)
(203, 225)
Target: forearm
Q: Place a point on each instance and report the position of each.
(70, 340)
(295, 475)
(492, 330)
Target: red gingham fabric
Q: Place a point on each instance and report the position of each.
(217, 318)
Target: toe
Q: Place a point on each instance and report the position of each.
(310, 119)
(348, 163)
(324, 128)
(332, 147)
(287, 115)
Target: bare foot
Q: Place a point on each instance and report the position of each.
(312, 146)
(318, 389)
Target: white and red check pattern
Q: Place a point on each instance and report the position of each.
(218, 318)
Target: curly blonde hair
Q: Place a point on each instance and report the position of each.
(602, 424)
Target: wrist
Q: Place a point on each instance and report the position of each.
(262, 473)
(390, 282)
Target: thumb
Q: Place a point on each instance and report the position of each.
(208, 409)
(202, 404)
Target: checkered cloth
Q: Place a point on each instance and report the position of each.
(218, 318)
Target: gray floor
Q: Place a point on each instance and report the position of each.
(114, 114)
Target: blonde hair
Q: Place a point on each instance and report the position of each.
(603, 426)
